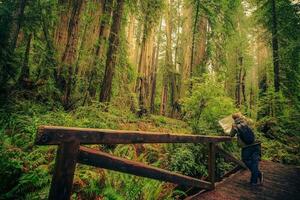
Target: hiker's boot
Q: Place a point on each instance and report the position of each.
(261, 178)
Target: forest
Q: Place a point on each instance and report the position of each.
(171, 66)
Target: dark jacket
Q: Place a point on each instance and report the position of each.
(234, 131)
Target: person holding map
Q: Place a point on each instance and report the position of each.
(251, 149)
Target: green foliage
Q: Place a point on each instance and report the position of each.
(133, 187)
(33, 185)
(24, 172)
(8, 69)
(87, 182)
(206, 105)
(110, 193)
(11, 164)
(151, 11)
(278, 115)
(192, 159)
(188, 159)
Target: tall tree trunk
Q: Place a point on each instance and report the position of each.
(111, 59)
(169, 76)
(9, 43)
(18, 17)
(70, 52)
(76, 71)
(50, 58)
(141, 73)
(154, 71)
(144, 70)
(139, 38)
(251, 100)
(262, 55)
(238, 76)
(176, 75)
(153, 79)
(104, 28)
(130, 39)
(81, 48)
(164, 98)
(244, 87)
(200, 44)
(61, 32)
(169, 58)
(186, 43)
(194, 39)
(25, 66)
(146, 63)
(99, 49)
(275, 47)
(240, 81)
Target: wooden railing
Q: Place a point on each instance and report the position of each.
(70, 152)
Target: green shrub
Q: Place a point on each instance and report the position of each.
(188, 159)
(206, 105)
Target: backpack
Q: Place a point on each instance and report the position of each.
(245, 133)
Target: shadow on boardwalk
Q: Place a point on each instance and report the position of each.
(281, 182)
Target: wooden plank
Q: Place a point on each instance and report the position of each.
(230, 157)
(232, 171)
(62, 180)
(100, 159)
(53, 135)
(212, 164)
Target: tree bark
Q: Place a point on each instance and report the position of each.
(275, 47)
(169, 76)
(114, 38)
(186, 43)
(164, 98)
(130, 39)
(70, 52)
(200, 44)
(99, 49)
(61, 32)
(169, 58)
(154, 71)
(9, 43)
(238, 75)
(104, 28)
(25, 66)
(244, 87)
(18, 17)
(193, 40)
(145, 69)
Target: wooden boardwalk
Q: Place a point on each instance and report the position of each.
(281, 182)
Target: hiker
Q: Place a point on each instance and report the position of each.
(251, 150)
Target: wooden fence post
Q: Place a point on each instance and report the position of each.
(211, 164)
(62, 180)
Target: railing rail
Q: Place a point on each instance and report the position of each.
(54, 135)
(70, 152)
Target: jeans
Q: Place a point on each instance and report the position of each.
(251, 157)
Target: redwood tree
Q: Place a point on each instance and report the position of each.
(111, 59)
(70, 53)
